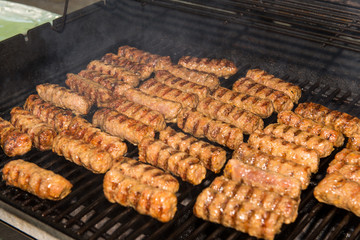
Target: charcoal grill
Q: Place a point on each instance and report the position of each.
(314, 44)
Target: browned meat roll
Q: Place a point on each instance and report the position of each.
(342, 122)
(280, 100)
(251, 156)
(200, 126)
(349, 171)
(38, 181)
(354, 142)
(157, 153)
(260, 76)
(348, 161)
(184, 85)
(348, 156)
(119, 125)
(12, 141)
(282, 148)
(231, 114)
(211, 157)
(157, 89)
(295, 120)
(64, 98)
(41, 134)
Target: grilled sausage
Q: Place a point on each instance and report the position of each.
(251, 156)
(346, 159)
(64, 98)
(157, 89)
(119, 125)
(280, 100)
(145, 199)
(349, 171)
(38, 181)
(294, 135)
(295, 120)
(137, 111)
(211, 157)
(41, 134)
(260, 76)
(231, 114)
(182, 84)
(200, 126)
(348, 156)
(157, 153)
(354, 142)
(282, 148)
(342, 122)
(12, 141)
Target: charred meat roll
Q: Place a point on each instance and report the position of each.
(200, 126)
(119, 125)
(159, 154)
(211, 157)
(231, 114)
(41, 134)
(349, 171)
(295, 120)
(282, 148)
(280, 100)
(354, 142)
(12, 140)
(260, 76)
(145, 199)
(348, 156)
(64, 98)
(38, 181)
(220, 67)
(158, 89)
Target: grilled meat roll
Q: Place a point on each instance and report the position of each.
(340, 121)
(231, 114)
(220, 67)
(38, 181)
(12, 140)
(349, 171)
(145, 199)
(259, 106)
(184, 85)
(260, 76)
(348, 156)
(354, 142)
(158, 89)
(280, 100)
(254, 157)
(200, 126)
(157, 153)
(282, 148)
(295, 120)
(210, 156)
(119, 125)
(41, 134)
(137, 111)
(294, 135)
(82, 153)
(64, 98)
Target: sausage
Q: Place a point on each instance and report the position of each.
(280, 100)
(41, 134)
(29, 177)
(354, 142)
(295, 120)
(260, 76)
(342, 158)
(119, 125)
(158, 154)
(64, 98)
(259, 106)
(211, 157)
(200, 126)
(349, 171)
(282, 148)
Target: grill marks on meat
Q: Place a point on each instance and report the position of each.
(159, 154)
(259, 106)
(219, 67)
(280, 100)
(41, 134)
(13, 141)
(200, 126)
(64, 98)
(354, 142)
(260, 76)
(38, 181)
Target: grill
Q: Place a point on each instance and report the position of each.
(314, 44)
